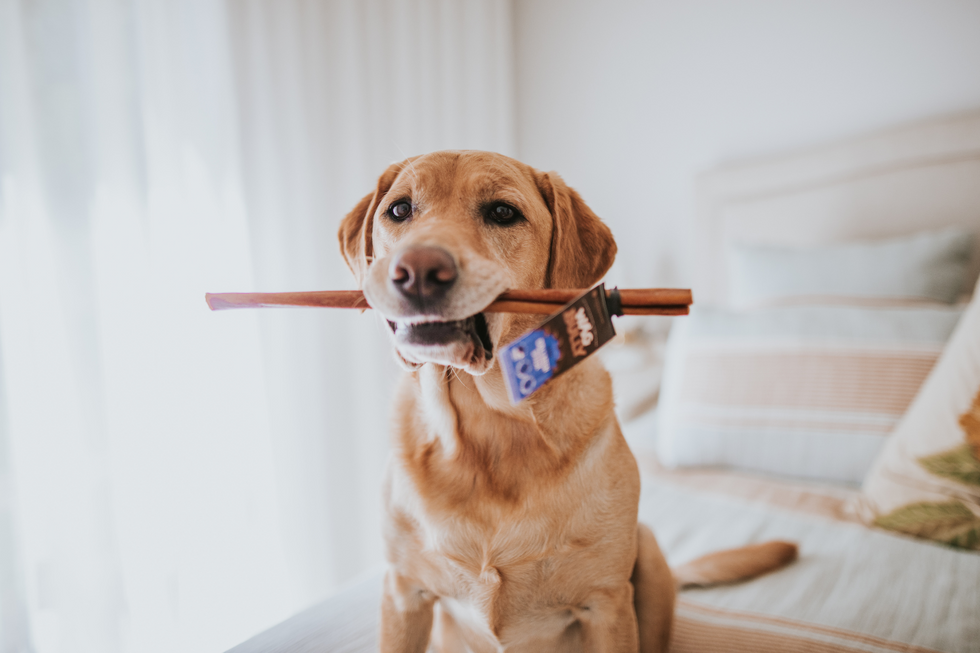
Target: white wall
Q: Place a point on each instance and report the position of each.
(629, 100)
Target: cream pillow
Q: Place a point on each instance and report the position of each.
(926, 481)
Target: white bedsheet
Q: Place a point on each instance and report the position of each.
(853, 589)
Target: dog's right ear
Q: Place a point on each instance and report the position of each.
(356, 227)
(582, 246)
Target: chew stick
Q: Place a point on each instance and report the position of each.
(640, 301)
(318, 298)
(634, 297)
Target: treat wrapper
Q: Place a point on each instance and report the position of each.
(560, 342)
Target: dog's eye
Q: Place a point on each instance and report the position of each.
(400, 211)
(503, 214)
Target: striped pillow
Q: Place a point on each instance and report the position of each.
(805, 391)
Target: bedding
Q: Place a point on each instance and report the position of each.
(926, 481)
(802, 391)
(853, 588)
(930, 266)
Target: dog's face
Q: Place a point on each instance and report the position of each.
(445, 233)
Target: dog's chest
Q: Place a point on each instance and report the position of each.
(508, 556)
(497, 542)
(495, 552)
(492, 578)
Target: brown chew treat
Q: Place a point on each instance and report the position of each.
(640, 301)
(321, 299)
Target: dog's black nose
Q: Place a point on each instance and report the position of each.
(423, 273)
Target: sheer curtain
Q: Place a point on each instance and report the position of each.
(173, 479)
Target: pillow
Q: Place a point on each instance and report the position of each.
(805, 391)
(926, 266)
(926, 482)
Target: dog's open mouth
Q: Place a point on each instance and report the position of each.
(441, 334)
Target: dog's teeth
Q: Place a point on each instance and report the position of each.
(416, 322)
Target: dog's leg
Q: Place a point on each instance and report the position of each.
(609, 622)
(445, 633)
(654, 591)
(406, 615)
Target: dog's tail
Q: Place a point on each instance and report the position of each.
(732, 565)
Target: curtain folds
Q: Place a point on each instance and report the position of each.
(173, 479)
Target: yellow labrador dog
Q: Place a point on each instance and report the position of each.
(508, 528)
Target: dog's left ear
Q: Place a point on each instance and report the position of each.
(356, 227)
(582, 246)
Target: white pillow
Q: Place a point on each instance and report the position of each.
(926, 482)
(926, 266)
(805, 391)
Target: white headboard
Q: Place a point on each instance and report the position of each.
(921, 176)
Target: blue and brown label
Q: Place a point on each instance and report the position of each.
(560, 342)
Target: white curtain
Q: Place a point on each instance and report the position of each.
(173, 479)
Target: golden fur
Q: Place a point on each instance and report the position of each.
(509, 528)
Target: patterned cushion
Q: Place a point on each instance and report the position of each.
(926, 481)
(806, 391)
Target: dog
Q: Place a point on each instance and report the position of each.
(507, 527)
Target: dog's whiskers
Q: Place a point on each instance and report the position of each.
(456, 374)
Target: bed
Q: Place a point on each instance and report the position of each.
(854, 588)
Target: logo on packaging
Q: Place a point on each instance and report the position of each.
(532, 360)
(580, 332)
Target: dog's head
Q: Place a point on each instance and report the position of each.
(444, 234)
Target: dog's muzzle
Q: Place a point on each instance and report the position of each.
(430, 316)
